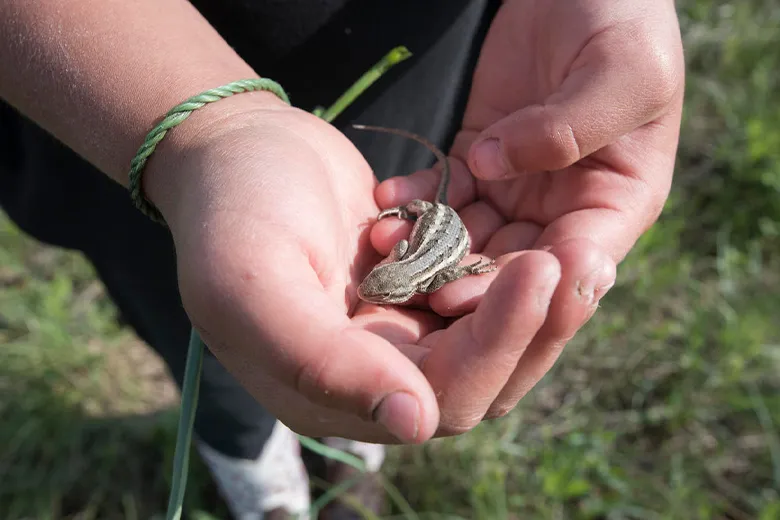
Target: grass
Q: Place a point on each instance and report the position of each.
(666, 406)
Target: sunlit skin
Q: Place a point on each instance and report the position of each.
(582, 101)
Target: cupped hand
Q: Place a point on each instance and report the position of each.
(567, 145)
(270, 209)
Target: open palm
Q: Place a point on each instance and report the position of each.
(567, 145)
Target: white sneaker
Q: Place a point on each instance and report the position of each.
(372, 454)
(276, 480)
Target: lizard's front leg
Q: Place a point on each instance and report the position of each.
(397, 253)
(408, 211)
(455, 273)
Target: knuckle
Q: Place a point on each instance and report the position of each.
(663, 75)
(563, 148)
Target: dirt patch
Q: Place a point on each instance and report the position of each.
(133, 380)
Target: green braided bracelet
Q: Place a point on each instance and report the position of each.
(175, 117)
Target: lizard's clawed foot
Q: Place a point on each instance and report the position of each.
(399, 211)
(482, 266)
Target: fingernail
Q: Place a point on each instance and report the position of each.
(399, 414)
(489, 160)
(595, 285)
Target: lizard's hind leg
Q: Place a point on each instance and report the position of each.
(457, 272)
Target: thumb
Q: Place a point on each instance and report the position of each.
(617, 84)
(281, 328)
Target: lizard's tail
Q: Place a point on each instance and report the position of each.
(441, 195)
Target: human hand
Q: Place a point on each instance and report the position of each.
(270, 210)
(571, 130)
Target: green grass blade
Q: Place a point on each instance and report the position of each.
(332, 453)
(189, 403)
(398, 499)
(395, 56)
(331, 494)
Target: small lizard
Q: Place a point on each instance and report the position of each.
(436, 245)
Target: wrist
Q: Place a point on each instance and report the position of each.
(172, 167)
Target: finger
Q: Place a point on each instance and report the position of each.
(284, 324)
(397, 325)
(618, 83)
(386, 233)
(515, 236)
(424, 184)
(587, 274)
(416, 353)
(613, 231)
(464, 295)
(470, 363)
(482, 221)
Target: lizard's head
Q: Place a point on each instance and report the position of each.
(386, 284)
